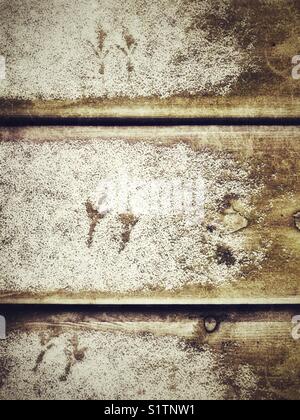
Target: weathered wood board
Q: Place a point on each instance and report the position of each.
(154, 58)
(62, 240)
(154, 354)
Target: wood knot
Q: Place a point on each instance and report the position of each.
(210, 324)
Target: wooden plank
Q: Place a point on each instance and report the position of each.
(62, 240)
(160, 58)
(83, 353)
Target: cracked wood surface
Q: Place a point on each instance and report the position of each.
(161, 58)
(245, 250)
(85, 353)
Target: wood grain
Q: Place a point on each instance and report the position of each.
(267, 227)
(187, 59)
(250, 355)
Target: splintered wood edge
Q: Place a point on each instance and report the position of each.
(76, 300)
(178, 107)
(237, 325)
(218, 137)
(246, 322)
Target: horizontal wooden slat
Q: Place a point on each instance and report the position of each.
(58, 245)
(159, 58)
(127, 354)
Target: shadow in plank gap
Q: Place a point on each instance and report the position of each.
(149, 215)
(129, 354)
(160, 58)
